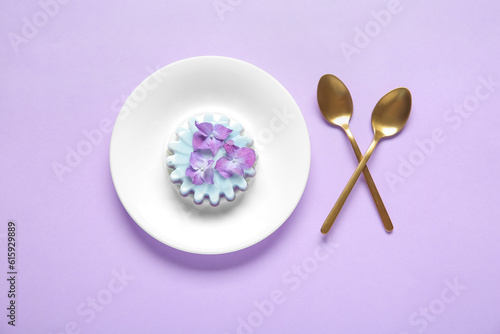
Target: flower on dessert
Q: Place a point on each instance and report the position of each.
(237, 160)
(200, 170)
(210, 136)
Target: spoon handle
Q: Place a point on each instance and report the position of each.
(347, 190)
(386, 220)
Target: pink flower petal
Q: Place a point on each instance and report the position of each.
(246, 157)
(236, 168)
(194, 175)
(222, 166)
(213, 144)
(208, 176)
(230, 149)
(205, 128)
(198, 140)
(221, 132)
(197, 160)
(190, 171)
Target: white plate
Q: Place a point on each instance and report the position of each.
(187, 88)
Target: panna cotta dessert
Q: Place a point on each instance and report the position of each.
(210, 158)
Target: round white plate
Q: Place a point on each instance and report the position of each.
(188, 88)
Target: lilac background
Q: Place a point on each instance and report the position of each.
(76, 71)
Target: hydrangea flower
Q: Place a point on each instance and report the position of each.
(237, 160)
(200, 170)
(210, 136)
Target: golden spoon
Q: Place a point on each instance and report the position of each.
(388, 118)
(335, 103)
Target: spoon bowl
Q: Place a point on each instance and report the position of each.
(334, 100)
(391, 113)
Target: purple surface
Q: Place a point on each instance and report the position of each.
(436, 273)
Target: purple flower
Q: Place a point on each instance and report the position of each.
(201, 170)
(210, 136)
(237, 160)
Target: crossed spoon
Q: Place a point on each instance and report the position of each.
(335, 103)
(388, 118)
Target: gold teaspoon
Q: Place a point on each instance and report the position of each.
(335, 103)
(388, 118)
